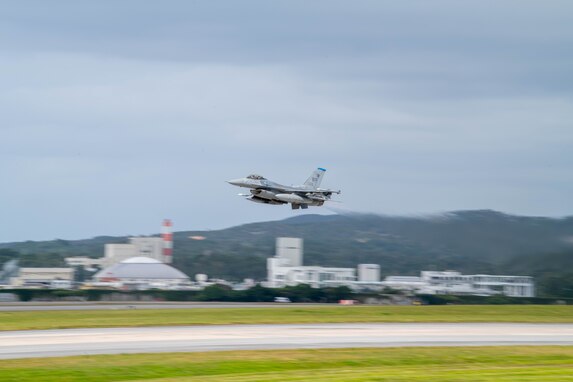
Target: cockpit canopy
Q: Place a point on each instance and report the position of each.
(255, 177)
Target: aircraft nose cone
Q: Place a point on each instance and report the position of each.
(235, 182)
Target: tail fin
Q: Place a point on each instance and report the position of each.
(316, 178)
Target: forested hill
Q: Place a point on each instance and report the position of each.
(481, 241)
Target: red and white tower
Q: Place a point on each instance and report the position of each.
(167, 236)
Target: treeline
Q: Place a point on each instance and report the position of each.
(32, 259)
(492, 300)
(298, 294)
(301, 293)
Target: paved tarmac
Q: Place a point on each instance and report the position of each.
(67, 342)
(38, 306)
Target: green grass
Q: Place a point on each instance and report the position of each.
(483, 364)
(285, 315)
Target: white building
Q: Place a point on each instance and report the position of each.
(286, 269)
(317, 277)
(116, 253)
(452, 282)
(409, 283)
(369, 273)
(289, 248)
(43, 277)
(142, 273)
(83, 261)
(151, 247)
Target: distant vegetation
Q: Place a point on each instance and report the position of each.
(301, 293)
(469, 241)
(298, 293)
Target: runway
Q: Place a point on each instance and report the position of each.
(37, 306)
(67, 342)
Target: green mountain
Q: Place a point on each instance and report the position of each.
(481, 241)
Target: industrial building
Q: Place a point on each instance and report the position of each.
(151, 247)
(452, 282)
(369, 273)
(43, 277)
(286, 269)
(290, 249)
(141, 273)
(141, 264)
(83, 261)
(158, 248)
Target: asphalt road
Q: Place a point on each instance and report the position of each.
(35, 306)
(66, 342)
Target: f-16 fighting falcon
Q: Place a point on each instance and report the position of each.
(269, 192)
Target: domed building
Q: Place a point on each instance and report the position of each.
(142, 273)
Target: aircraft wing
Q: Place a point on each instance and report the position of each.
(322, 191)
(293, 189)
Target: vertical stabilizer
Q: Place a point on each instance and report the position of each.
(316, 178)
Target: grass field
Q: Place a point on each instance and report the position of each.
(285, 315)
(481, 364)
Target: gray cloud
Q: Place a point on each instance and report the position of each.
(117, 114)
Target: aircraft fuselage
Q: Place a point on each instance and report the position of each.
(268, 192)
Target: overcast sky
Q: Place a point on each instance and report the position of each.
(117, 114)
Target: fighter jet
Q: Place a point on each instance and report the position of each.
(269, 192)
